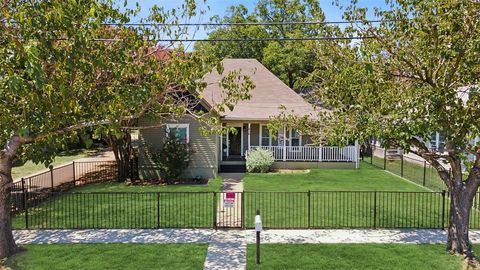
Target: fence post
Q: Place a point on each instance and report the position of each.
(424, 171)
(214, 210)
(73, 168)
(385, 158)
(308, 209)
(25, 202)
(401, 166)
(243, 210)
(374, 209)
(51, 176)
(443, 209)
(158, 210)
(22, 181)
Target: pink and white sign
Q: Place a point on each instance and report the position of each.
(229, 200)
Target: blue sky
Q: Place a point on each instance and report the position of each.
(219, 7)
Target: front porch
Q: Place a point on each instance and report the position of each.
(312, 153)
(287, 145)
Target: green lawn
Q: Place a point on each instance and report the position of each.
(19, 170)
(110, 256)
(368, 197)
(367, 178)
(413, 171)
(117, 205)
(353, 256)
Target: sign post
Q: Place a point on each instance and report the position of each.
(258, 229)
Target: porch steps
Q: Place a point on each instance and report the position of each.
(232, 168)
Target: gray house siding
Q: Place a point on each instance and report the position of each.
(204, 159)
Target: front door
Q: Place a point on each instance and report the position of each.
(235, 142)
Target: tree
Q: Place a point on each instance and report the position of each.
(63, 70)
(220, 49)
(172, 158)
(291, 61)
(417, 73)
(48, 85)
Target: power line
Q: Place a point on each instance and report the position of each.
(244, 23)
(261, 39)
(235, 40)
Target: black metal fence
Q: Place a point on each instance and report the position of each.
(42, 201)
(288, 210)
(416, 170)
(61, 179)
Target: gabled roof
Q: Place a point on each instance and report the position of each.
(267, 98)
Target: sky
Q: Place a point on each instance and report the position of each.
(219, 7)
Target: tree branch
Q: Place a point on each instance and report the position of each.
(426, 154)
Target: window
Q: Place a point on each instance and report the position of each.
(265, 136)
(441, 142)
(181, 131)
(296, 139)
(433, 141)
(437, 141)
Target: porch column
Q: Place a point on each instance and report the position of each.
(221, 146)
(248, 136)
(284, 144)
(228, 143)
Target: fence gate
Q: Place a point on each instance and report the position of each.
(229, 210)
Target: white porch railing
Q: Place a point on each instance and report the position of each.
(312, 153)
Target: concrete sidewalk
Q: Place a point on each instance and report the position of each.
(209, 236)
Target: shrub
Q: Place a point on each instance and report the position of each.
(259, 161)
(172, 158)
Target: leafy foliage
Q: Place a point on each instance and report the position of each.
(58, 75)
(172, 158)
(66, 66)
(291, 61)
(417, 73)
(235, 14)
(259, 161)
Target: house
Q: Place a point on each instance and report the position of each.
(249, 118)
(435, 143)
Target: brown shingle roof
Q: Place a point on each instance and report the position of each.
(269, 94)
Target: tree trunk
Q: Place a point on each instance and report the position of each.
(123, 151)
(7, 243)
(461, 199)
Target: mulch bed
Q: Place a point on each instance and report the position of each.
(163, 182)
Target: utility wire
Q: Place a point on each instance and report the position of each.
(244, 23)
(235, 40)
(240, 24)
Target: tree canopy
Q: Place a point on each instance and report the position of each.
(64, 67)
(291, 61)
(417, 73)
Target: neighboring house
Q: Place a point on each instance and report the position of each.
(437, 139)
(249, 118)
